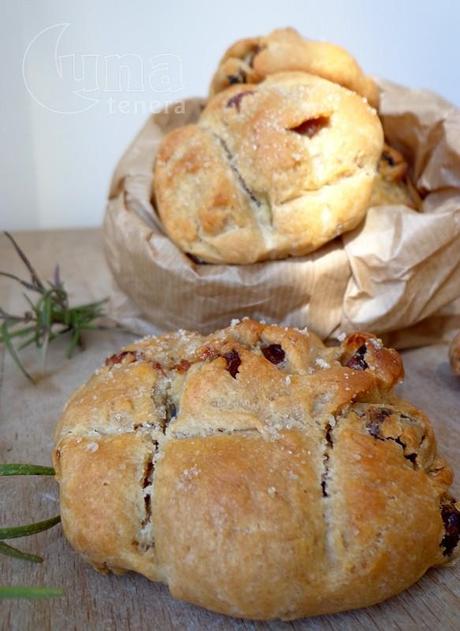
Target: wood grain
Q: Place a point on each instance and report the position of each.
(95, 602)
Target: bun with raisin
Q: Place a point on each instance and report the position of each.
(255, 472)
(272, 170)
(285, 50)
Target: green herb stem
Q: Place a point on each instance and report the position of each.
(47, 318)
(25, 469)
(28, 529)
(22, 591)
(19, 554)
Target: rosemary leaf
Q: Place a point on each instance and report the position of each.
(25, 469)
(19, 554)
(31, 304)
(74, 340)
(35, 279)
(19, 332)
(23, 282)
(9, 316)
(28, 529)
(22, 591)
(46, 324)
(6, 339)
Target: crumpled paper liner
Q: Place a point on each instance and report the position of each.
(397, 275)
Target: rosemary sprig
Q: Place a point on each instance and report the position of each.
(29, 529)
(25, 469)
(10, 551)
(22, 591)
(48, 317)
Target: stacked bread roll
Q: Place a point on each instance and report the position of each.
(287, 155)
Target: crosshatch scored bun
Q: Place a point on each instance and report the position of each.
(256, 472)
(272, 170)
(284, 50)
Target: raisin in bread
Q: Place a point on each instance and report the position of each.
(256, 472)
(392, 184)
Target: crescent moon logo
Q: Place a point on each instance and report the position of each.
(52, 79)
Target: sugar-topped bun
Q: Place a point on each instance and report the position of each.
(270, 170)
(251, 60)
(256, 472)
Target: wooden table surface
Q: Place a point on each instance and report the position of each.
(93, 601)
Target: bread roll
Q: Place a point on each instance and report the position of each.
(256, 472)
(252, 60)
(269, 171)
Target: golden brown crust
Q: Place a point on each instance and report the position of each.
(285, 50)
(102, 500)
(377, 499)
(265, 530)
(269, 476)
(269, 171)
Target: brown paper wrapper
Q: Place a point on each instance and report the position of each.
(397, 275)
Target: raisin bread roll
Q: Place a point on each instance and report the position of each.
(283, 50)
(256, 472)
(269, 171)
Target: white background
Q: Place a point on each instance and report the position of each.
(55, 167)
